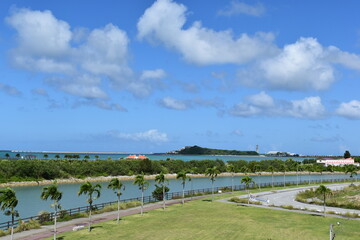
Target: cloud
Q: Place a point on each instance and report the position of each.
(299, 66)
(237, 7)
(237, 133)
(171, 103)
(326, 139)
(152, 135)
(153, 74)
(164, 22)
(40, 92)
(12, 91)
(349, 110)
(264, 105)
(101, 104)
(85, 63)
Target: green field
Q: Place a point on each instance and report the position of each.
(202, 219)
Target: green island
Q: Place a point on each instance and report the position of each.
(196, 150)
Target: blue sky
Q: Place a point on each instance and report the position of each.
(154, 76)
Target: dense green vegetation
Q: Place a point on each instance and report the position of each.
(27, 170)
(196, 150)
(203, 219)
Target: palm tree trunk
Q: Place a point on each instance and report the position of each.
(212, 199)
(284, 179)
(324, 205)
(12, 225)
(164, 197)
(118, 217)
(55, 221)
(272, 180)
(142, 201)
(232, 183)
(183, 194)
(90, 218)
(248, 195)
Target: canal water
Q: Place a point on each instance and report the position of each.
(30, 203)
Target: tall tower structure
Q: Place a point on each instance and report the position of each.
(257, 148)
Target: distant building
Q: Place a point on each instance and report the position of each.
(337, 162)
(281, 154)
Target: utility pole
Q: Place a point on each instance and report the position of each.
(332, 233)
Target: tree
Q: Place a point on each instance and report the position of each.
(116, 185)
(283, 168)
(57, 156)
(97, 157)
(272, 169)
(158, 192)
(163, 181)
(17, 155)
(182, 175)
(8, 203)
(54, 194)
(89, 189)
(325, 192)
(231, 169)
(212, 174)
(7, 155)
(347, 154)
(143, 185)
(247, 180)
(86, 157)
(352, 170)
(46, 156)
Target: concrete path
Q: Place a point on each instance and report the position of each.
(47, 231)
(287, 197)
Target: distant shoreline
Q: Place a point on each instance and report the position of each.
(130, 178)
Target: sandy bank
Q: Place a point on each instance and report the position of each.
(131, 178)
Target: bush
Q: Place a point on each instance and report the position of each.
(44, 216)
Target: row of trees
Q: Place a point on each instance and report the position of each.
(23, 170)
(8, 200)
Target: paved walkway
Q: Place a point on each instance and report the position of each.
(47, 231)
(287, 197)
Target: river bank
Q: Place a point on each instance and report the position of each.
(148, 177)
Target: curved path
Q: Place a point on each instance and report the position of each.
(287, 197)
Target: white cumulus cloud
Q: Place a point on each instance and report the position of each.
(264, 105)
(152, 135)
(237, 7)
(164, 22)
(349, 110)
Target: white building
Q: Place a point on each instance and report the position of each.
(337, 162)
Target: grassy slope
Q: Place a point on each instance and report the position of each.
(205, 220)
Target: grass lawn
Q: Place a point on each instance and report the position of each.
(203, 219)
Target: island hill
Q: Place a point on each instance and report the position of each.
(196, 150)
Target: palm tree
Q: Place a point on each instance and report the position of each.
(212, 173)
(309, 168)
(272, 169)
(116, 185)
(247, 180)
(17, 155)
(163, 181)
(46, 156)
(57, 156)
(7, 155)
(283, 167)
(8, 202)
(325, 191)
(96, 157)
(54, 194)
(352, 170)
(231, 169)
(89, 189)
(256, 167)
(143, 185)
(182, 175)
